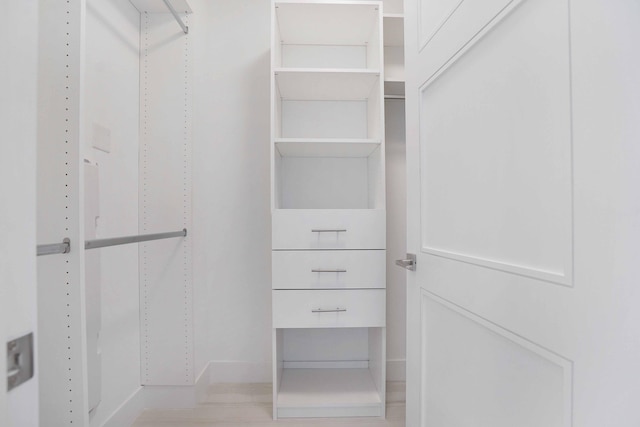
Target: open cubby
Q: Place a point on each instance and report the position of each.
(327, 104)
(325, 35)
(326, 174)
(329, 372)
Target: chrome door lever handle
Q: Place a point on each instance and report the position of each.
(409, 263)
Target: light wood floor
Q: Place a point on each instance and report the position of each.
(249, 405)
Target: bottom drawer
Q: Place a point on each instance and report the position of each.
(357, 308)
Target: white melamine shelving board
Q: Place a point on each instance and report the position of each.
(394, 88)
(394, 7)
(308, 388)
(325, 84)
(393, 30)
(326, 24)
(158, 6)
(326, 147)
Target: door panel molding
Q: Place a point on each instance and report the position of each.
(550, 258)
(512, 338)
(460, 30)
(424, 34)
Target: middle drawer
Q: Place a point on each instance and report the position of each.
(339, 269)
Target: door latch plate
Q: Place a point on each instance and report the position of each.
(19, 361)
(409, 263)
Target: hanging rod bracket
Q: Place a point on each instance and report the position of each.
(176, 16)
(55, 248)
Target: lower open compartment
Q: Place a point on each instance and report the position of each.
(329, 372)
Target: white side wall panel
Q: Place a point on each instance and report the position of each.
(166, 293)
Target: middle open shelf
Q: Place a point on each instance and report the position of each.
(327, 103)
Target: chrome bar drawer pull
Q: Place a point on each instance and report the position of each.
(328, 271)
(329, 230)
(329, 310)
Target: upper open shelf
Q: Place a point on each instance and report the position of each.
(313, 34)
(311, 23)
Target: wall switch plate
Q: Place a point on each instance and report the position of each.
(101, 138)
(19, 361)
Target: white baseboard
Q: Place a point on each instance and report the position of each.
(159, 397)
(202, 383)
(233, 371)
(396, 370)
(127, 413)
(177, 397)
(239, 372)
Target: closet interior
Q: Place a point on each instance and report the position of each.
(127, 327)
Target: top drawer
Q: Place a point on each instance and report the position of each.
(329, 229)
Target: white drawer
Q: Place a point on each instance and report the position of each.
(358, 308)
(328, 269)
(329, 229)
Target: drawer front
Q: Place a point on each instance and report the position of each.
(328, 269)
(328, 229)
(358, 308)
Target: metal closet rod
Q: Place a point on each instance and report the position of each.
(175, 15)
(65, 246)
(114, 241)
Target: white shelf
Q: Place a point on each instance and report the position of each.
(326, 147)
(158, 6)
(326, 24)
(393, 29)
(325, 84)
(316, 391)
(393, 7)
(394, 88)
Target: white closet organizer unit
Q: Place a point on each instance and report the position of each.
(328, 209)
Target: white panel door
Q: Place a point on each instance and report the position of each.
(522, 158)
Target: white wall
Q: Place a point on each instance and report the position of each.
(231, 195)
(111, 102)
(396, 237)
(18, 194)
(231, 205)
